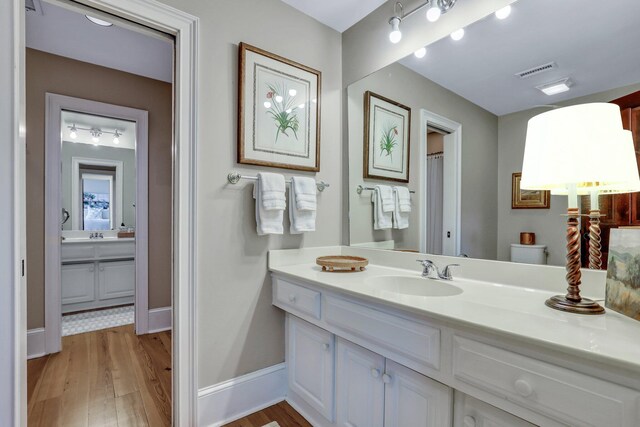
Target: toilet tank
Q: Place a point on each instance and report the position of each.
(529, 254)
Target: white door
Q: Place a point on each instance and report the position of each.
(359, 388)
(117, 279)
(449, 199)
(78, 282)
(470, 412)
(310, 360)
(411, 399)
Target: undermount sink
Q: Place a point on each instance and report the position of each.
(418, 286)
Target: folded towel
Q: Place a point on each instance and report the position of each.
(272, 191)
(381, 220)
(403, 198)
(305, 193)
(302, 213)
(269, 216)
(400, 216)
(386, 197)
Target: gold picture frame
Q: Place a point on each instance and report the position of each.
(278, 111)
(528, 199)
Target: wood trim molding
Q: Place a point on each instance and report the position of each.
(160, 319)
(238, 397)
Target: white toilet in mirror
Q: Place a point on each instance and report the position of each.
(529, 254)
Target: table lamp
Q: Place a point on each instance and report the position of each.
(573, 151)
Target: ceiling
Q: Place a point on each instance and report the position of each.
(65, 32)
(88, 121)
(337, 14)
(596, 46)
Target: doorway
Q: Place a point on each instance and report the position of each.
(440, 175)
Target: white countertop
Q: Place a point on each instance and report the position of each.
(74, 240)
(515, 311)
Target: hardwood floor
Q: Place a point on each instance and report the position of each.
(281, 412)
(104, 378)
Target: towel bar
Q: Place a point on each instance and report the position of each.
(360, 189)
(235, 177)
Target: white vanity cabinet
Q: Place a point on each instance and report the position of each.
(470, 412)
(377, 392)
(97, 274)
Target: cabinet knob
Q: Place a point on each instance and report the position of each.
(523, 388)
(375, 373)
(326, 346)
(101, 268)
(386, 378)
(469, 421)
(292, 298)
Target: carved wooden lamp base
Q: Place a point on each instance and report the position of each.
(572, 302)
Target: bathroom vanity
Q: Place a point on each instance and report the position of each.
(97, 273)
(386, 347)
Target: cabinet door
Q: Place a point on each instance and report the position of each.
(77, 282)
(470, 412)
(117, 279)
(359, 386)
(310, 359)
(411, 399)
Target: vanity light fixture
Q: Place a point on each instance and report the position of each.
(435, 10)
(563, 154)
(556, 87)
(458, 34)
(99, 21)
(420, 53)
(95, 133)
(504, 12)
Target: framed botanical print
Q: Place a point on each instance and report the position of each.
(387, 126)
(278, 111)
(527, 199)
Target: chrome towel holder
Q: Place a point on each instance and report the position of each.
(235, 177)
(360, 189)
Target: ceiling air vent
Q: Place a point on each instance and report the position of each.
(537, 70)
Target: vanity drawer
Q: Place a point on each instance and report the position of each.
(116, 250)
(297, 298)
(559, 393)
(409, 338)
(77, 252)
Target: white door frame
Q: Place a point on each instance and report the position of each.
(12, 71)
(428, 118)
(55, 105)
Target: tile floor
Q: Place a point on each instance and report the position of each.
(95, 320)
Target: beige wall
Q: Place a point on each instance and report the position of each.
(366, 47)
(479, 160)
(239, 330)
(547, 224)
(55, 74)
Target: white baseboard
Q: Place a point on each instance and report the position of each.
(159, 319)
(35, 343)
(230, 400)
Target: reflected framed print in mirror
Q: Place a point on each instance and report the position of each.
(387, 126)
(528, 199)
(278, 111)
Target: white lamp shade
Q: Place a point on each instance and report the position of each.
(583, 146)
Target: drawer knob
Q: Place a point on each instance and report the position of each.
(375, 373)
(292, 298)
(469, 421)
(386, 378)
(523, 388)
(326, 347)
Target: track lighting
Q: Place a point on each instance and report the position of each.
(95, 133)
(395, 35)
(116, 137)
(74, 132)
(434, 12)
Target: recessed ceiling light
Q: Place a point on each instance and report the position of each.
(420, 53)
(98, 21)
(458, 34)
(504, 12)
(556, 87)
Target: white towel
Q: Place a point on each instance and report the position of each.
(386, 197)
(381, 220)
(402, 207)
(302, 205)
(269, 212)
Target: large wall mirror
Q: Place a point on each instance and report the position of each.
(470, 99)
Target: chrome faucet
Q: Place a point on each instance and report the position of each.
(429, 266)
